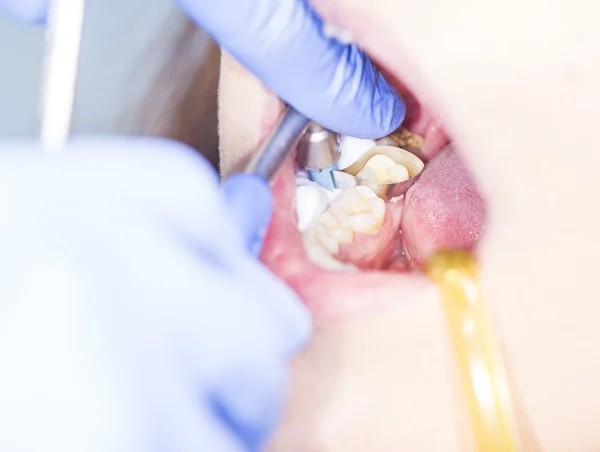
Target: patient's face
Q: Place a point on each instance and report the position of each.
(514, 86)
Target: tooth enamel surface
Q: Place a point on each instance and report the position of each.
(381, 169)
(358, 209)
(319, 254)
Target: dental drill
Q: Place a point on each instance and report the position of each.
(319, 152)
(279, 145)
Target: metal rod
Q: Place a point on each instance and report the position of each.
(277, 148)
(63, 40)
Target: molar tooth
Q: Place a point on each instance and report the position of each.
(358, 209)
(320, 255)
(401, 157)
(331, 239)
(381, 169)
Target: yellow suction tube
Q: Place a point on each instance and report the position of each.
(480, 365)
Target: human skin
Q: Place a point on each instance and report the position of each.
(517, 84)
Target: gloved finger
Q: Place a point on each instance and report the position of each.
(30, 11)
(250, 202)
(151, 252)
(282, 43)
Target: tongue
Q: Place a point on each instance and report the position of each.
(443, 209)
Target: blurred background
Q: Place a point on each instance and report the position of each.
(143, 69)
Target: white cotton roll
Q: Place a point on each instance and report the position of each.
(311, 202)
(301, 176)
(352, 149)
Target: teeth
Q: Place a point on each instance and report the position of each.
(333, 31)
(384, 165)
(357, 209)
(319, 254)
(381, 169)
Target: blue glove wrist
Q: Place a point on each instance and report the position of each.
(30, 11)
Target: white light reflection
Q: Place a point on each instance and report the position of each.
(482, 384)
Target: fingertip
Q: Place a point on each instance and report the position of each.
(33, 12)
(397, 113)
(388, 109)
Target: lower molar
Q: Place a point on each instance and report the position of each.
(356, 210)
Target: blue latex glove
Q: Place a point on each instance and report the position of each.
(282, 43)
(131, 315)
(31, 11)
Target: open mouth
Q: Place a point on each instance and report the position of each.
(357, 251)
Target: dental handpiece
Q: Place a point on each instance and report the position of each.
(279, 145)
(319, 152)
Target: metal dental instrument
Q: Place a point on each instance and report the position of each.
(279, 145)
(319, 152)
(481, 368)
(63, 38)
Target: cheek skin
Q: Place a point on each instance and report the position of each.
(521, 80)
(379, 383)
(247, 111)
(533, 71)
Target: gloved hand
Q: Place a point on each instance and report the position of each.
(31, 11)
(133, 318)
(282, 43)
